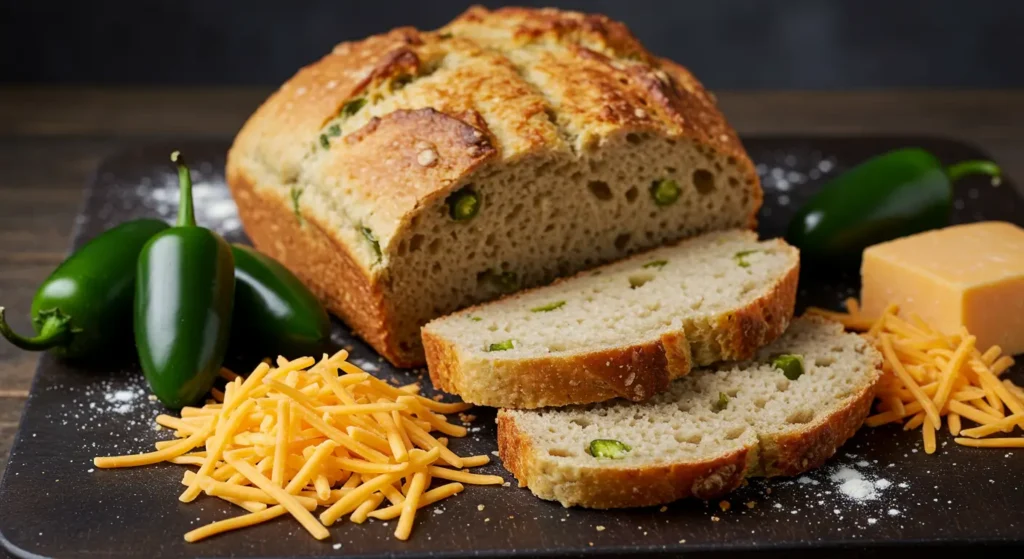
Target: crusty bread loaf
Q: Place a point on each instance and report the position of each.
(579, 146)
(684, 443)
(622, 330)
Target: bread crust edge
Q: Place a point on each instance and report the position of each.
(321, 261)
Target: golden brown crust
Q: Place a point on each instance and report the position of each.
(405, 155)
(606, 488)
(319, 260)
(635, 372)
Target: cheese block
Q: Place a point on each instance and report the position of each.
(966, 275)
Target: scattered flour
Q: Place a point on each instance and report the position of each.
(214, 206)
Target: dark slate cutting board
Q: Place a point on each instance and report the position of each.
(54, 504)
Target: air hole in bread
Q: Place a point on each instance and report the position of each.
(732, 392)
(734, 433)
(512, 215)
(435, 268)
(631, 194)
(734, 182)
(703, 181)
(824, 361)
(781, 384)
(621, 241)
(624, 81)
(434, 246)
(596, 165)
(670, 170)
(760, 402)
(600, 190)
(581, 421)
(638, 280)
(576, 176)
(542, 168)
(549, 228)
(688, 439)
(402, 246)
(559, 452)
(415, 242)
(731, 160)
(800, 416)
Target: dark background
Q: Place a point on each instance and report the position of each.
(729, 44)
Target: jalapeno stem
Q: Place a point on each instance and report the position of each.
(56, 331)
(957, 171)
(186, 215)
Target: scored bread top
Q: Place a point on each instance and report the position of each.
(489, 86)
(747, 418)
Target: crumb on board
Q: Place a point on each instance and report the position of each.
(663, 508)
(479, 507)
(599, 528)
(438, 397)
(715, 519)
(751, 504)
(724, 505)
(467, 417)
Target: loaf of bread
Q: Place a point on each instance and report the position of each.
(621, 330)
(413, 173)
(710, 431)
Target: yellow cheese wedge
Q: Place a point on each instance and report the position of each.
(966, 275)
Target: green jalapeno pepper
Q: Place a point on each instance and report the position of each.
(183, 303)
(274, 312)
(83, 310)
(896, 194)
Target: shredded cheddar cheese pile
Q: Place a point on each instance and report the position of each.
(295, 437)
(929, 375)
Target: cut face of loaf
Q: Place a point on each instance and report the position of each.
(415, 173)
(622, 330)
(708, 433)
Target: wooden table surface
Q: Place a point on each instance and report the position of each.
(51, 139)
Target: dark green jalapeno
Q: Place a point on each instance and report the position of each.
(84, 308)
(896, 194)
(274, 313)
(183, 302)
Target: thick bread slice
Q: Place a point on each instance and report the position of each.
(682, 446)
(560, 123)
(622, 330)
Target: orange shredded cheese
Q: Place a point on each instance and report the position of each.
(293, 437)
(928, 375)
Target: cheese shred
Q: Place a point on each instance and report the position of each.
(928, 375)
(288, 439)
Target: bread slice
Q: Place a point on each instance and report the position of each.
(683, 443)
(579, 146)
(622, 330)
